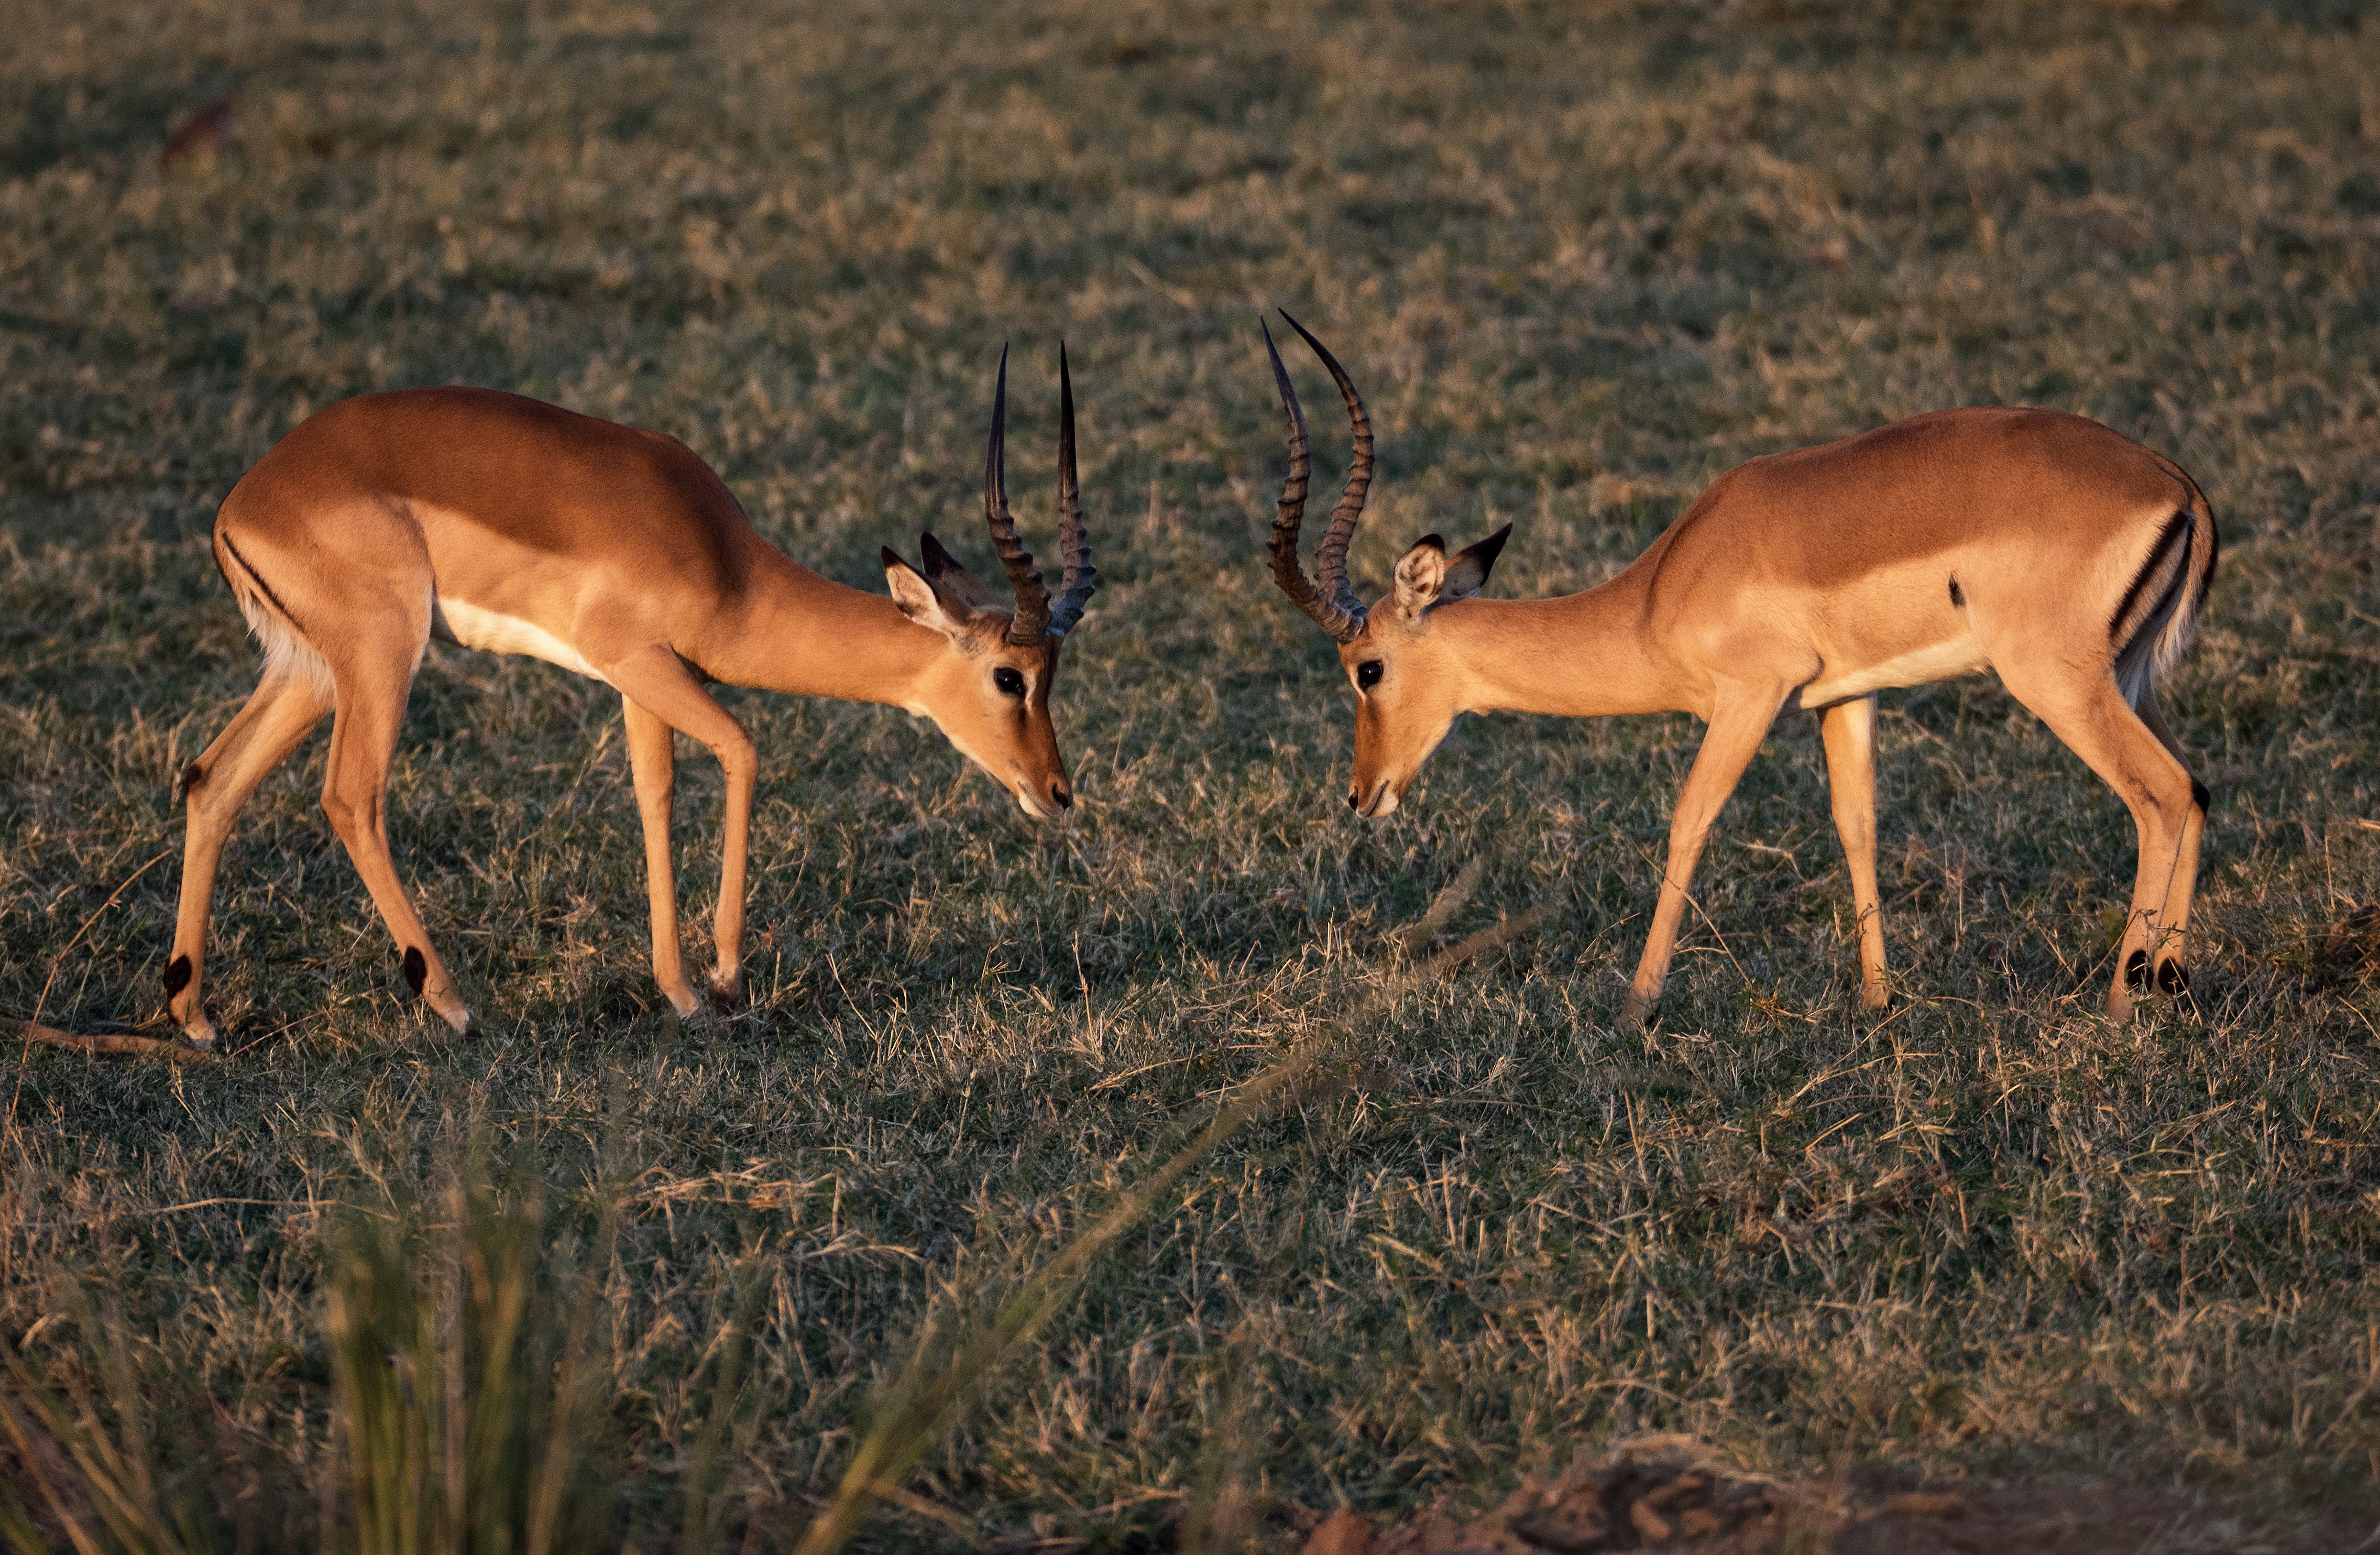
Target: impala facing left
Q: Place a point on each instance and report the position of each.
(2067, 558)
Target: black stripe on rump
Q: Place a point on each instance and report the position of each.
(2132, 612)
(2200, 506)
(2214, 555)
(258, 579)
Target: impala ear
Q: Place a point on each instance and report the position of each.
(956, 586)
(1420, 573)
(918, 601)
(1466, 574)
(1428, 578)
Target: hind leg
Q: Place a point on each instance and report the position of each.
(279, 715)
(2170, 975)
(2100, 727)
(373, 686)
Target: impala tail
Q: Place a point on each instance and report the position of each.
(288, 651)
(2155, 621)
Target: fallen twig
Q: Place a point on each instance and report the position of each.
(170, 1050)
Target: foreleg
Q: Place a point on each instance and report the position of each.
(1739, 721)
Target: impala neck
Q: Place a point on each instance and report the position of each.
(1582, 656)
(797, 632)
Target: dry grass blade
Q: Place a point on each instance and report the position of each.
(42, 1456)
(727, 1415)
(97, 1458)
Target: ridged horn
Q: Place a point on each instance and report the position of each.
(1032, 621)
(1332, 604)
(1073, 541)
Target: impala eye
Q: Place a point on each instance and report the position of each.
(1369, 673)
(1009, 681)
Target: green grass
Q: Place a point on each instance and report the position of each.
(1583, 259)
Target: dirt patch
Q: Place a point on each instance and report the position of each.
(1670, 1495)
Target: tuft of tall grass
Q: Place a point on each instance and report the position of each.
(467, 1354)
(466, 1339)
(108, 1477)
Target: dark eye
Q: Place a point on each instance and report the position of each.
(1009, 681)
(1369, 673)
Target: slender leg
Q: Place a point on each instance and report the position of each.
(279, 715)
(2098, 725)
(1848, 730)
(657, 682)
(2171, 975)
(652, 760)
(374, 680)
(1739, 721)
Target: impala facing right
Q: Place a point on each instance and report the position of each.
(2062, 554)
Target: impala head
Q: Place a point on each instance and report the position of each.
(989, 690)
(1409, 681)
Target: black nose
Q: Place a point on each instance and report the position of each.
(1354, 802)
(1062, 795)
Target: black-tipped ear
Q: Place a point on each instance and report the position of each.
(1436, 542)
(922, 600)
(1467, 571)
(953, 582)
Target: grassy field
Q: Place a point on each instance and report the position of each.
(1583, 258)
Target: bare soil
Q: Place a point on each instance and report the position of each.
(1665, 1494)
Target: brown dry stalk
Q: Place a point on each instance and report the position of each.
(114, 1045)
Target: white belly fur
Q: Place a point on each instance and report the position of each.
(491, 633)
(1941, 661)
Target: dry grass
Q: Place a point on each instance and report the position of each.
(1583, 259)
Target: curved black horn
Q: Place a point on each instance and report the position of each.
(1032, 620)
(1337, 612)
(1073, 541)
(1331, 559)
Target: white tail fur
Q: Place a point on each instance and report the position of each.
(287, 651)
